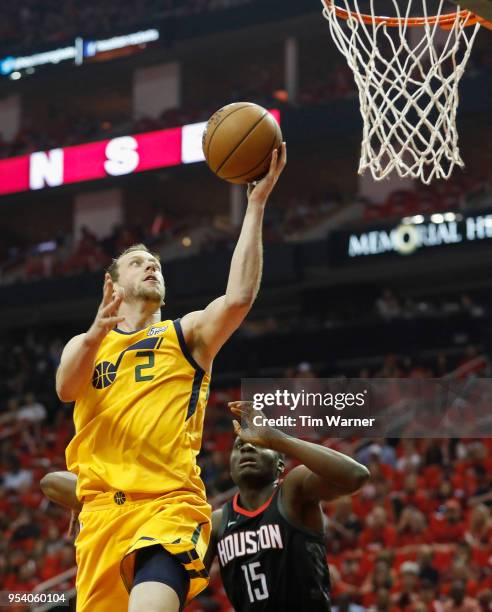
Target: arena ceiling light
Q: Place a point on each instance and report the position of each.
(438, 218)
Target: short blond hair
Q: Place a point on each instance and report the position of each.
(113, 270)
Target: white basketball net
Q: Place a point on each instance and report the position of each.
(408, 92)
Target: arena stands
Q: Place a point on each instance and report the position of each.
(460, 193)
(260, 84)
(418, 535)
(300, 218)
(44, 23)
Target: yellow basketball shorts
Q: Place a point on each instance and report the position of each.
(113, 526)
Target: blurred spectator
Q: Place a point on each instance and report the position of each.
(23, 528)
(304, 370)
(88, 255)
(458, 600)
(479, 530)
(380, 578)
(428, 595)
(410, 457)
(412, 528)
(447, 524)
(388, 306)
(344, 603)
(428, 574)
(413, 495)
(485, 600)
(53, 541)
(378, 532)
(344, 526)
(407, 586)
(433, 453)
(31, 411)
(377, 452)
(16, 478)
(390, 368)
(10, 413)
(471, 307)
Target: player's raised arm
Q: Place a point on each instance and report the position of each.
(77, 360)
(59, 487)
(207, 330)
(325, 474)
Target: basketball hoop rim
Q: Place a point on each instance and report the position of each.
(445, 21)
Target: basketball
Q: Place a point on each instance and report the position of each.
(239, 140)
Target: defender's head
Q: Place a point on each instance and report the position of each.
(139, 273)
(254, 465)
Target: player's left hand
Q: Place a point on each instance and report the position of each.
(260, 192)
(258, 435)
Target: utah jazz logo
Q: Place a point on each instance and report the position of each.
(105, 372)
(119, 498)
(104, 375)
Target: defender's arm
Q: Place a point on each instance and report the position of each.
(212, 547)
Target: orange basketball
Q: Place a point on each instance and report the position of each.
(239, 140)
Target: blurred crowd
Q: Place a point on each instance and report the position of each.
(460, 192)
(254, 83)
(390, 306)
(65, 128)
(320, 82)
(62, 256)
(418, 536)
(321, 79)
(300, 217)
(33, 24)
(66, 255)
(34, 430)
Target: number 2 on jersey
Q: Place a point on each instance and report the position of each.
(251, 576)
(149, 355)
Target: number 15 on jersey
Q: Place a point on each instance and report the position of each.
(255, 582)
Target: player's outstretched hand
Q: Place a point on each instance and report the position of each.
(261, 191)
(107, 315)
(252, 430)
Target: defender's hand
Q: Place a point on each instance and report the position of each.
(260, 192)
(74, 527)
(258, 435)
(107, 315)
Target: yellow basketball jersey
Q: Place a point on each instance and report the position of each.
(139, 422)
